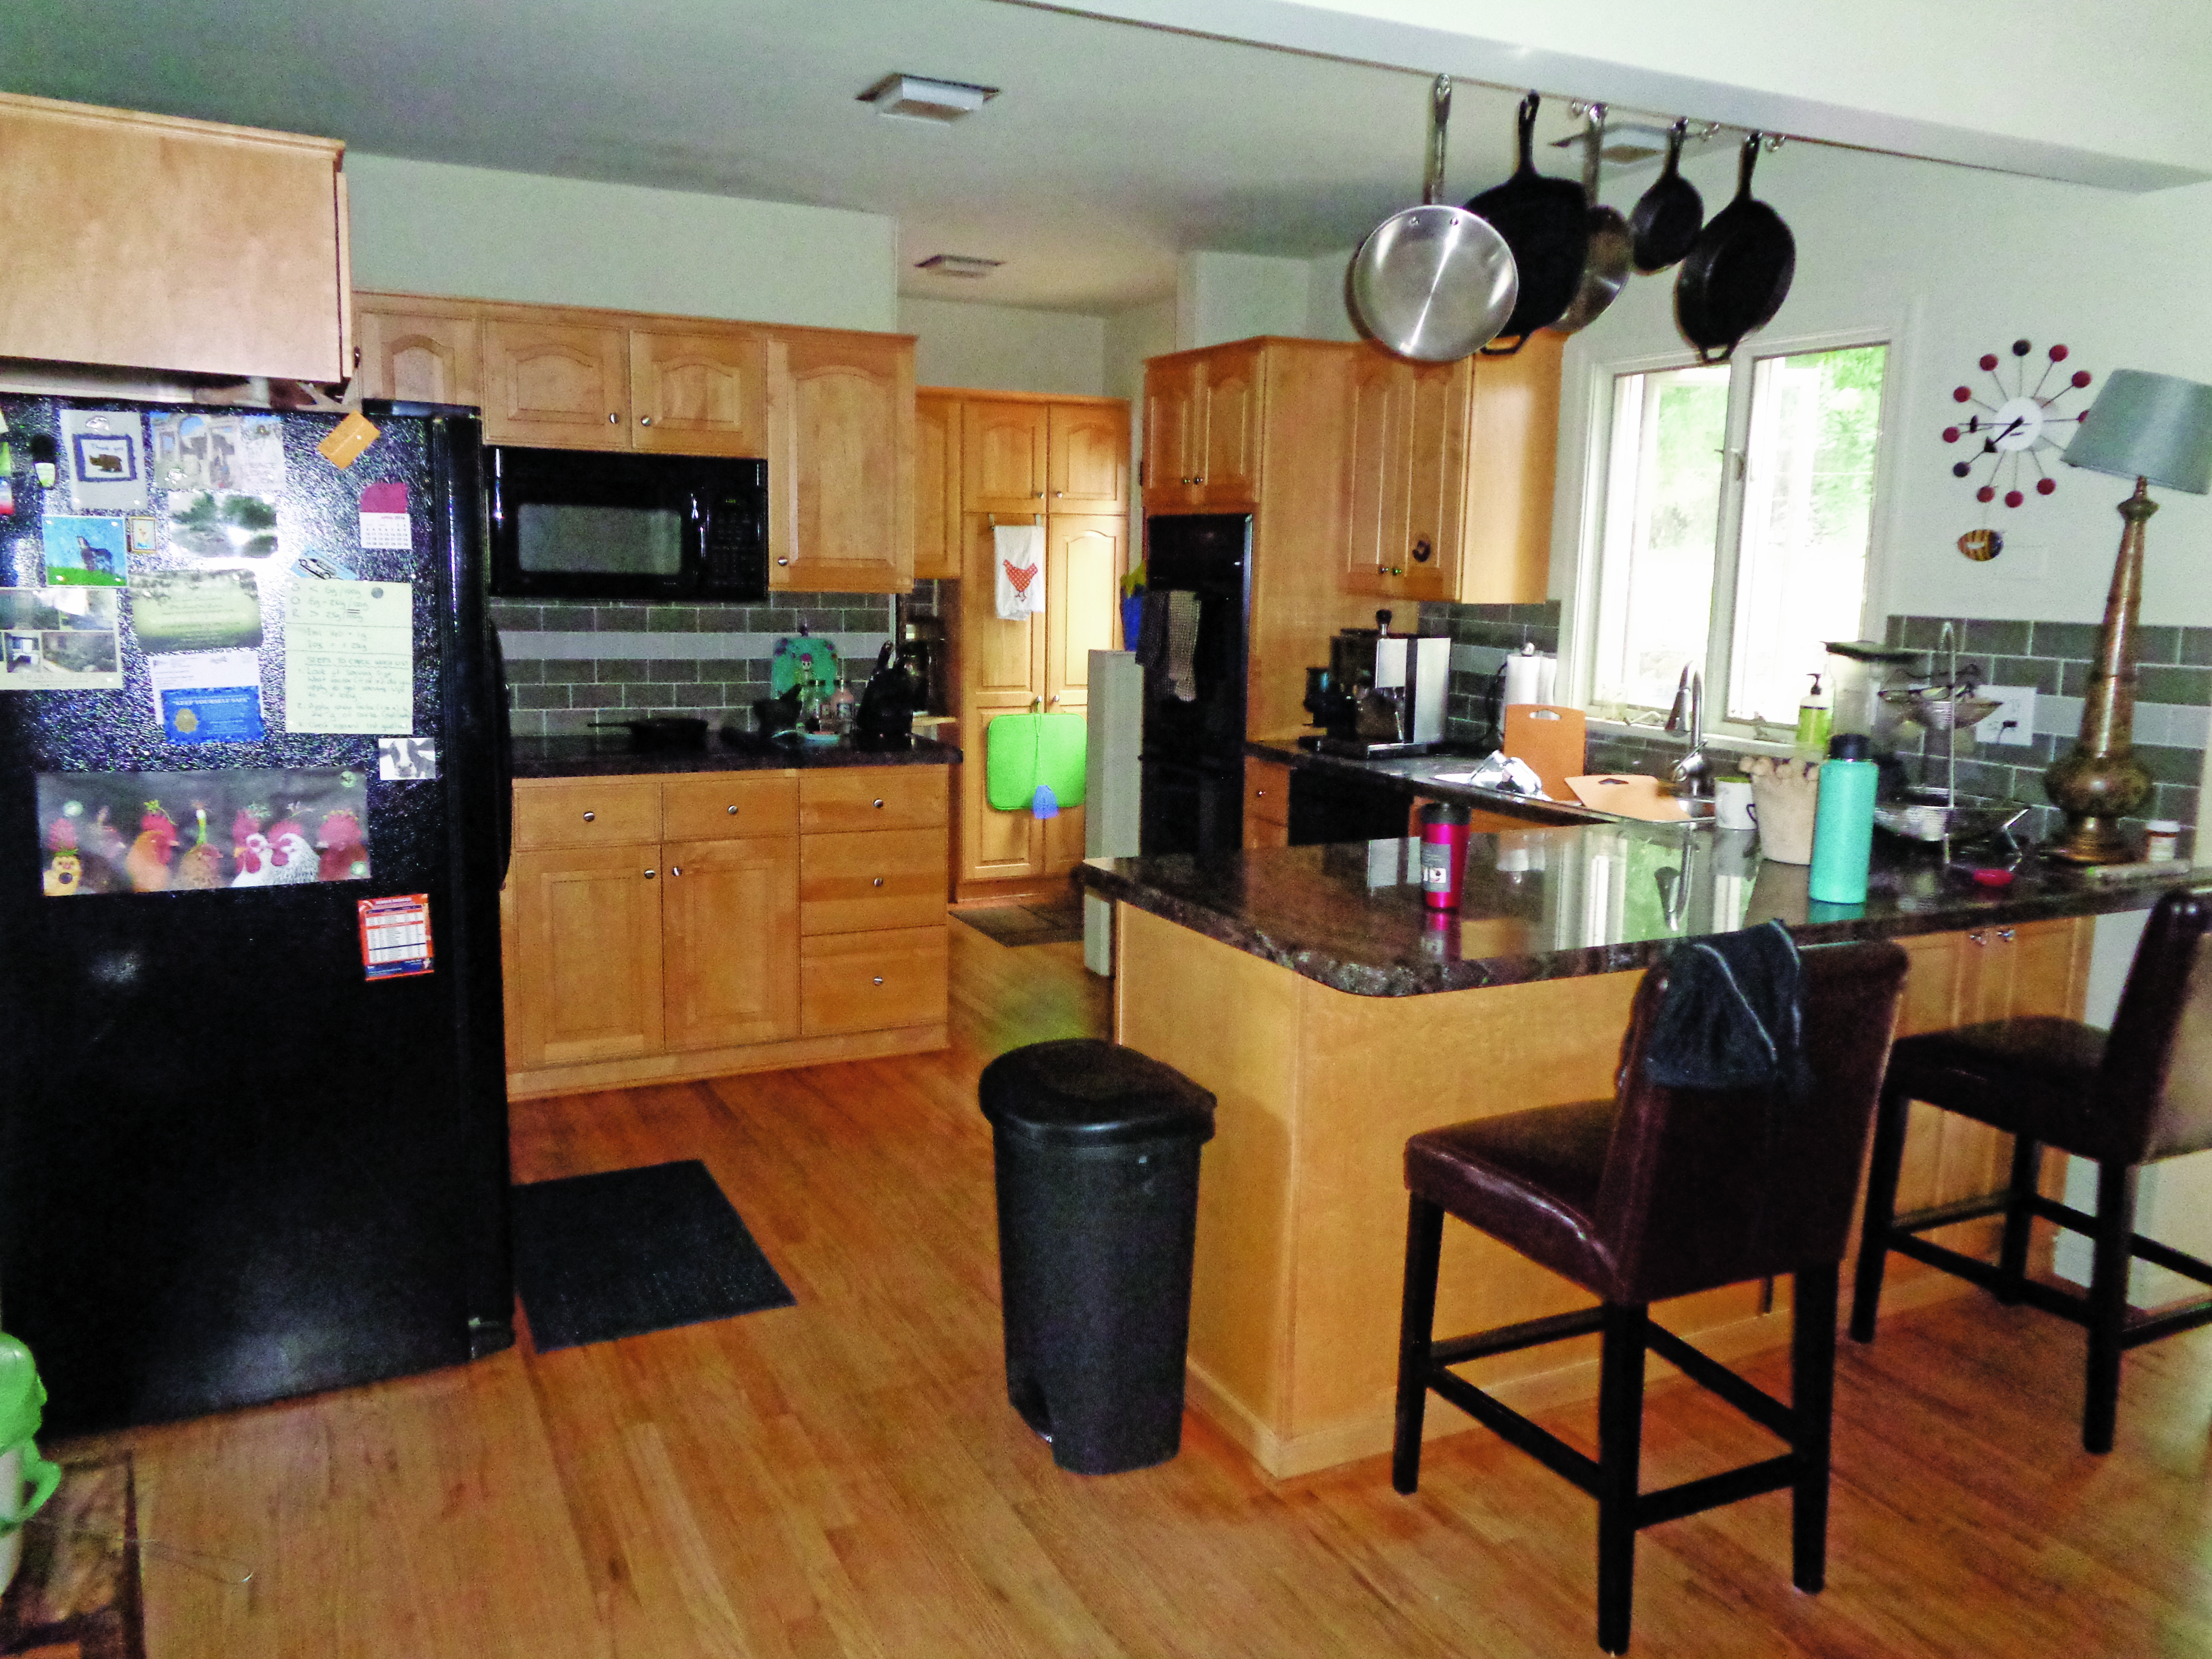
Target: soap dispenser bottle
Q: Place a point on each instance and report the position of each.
(1815, 719)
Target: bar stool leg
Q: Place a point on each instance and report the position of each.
(1425, 1238)
(1620, 1452)
(1812, 1403)
(1880, 1211)
(2012, 1256)
(2108, 1301)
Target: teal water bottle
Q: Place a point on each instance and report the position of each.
(1843, 823)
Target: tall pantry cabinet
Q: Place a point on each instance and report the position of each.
(1063, 464)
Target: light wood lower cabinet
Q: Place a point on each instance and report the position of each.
(1266, 804)
(656, 929)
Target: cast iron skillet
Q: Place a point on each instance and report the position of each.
(1545, 223)
(1668, 217)
(1738, 274)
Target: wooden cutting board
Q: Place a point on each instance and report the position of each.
(1550, 739)
(1631, 794)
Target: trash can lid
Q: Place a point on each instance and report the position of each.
(23, 1396)
(1081, 1091)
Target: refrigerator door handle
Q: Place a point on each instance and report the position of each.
(502, 756)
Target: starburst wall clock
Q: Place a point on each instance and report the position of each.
(2016, 427)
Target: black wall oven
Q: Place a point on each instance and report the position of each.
(570, 524)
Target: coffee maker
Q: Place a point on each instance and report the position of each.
(1382, 694)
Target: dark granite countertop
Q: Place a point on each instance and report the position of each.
(612, 757)
(1558, 903)
(1418, 774)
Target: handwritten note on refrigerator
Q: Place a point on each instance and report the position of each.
(350, 659)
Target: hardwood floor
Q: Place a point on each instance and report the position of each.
(845, 1477)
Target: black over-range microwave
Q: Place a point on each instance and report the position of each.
(570, 524)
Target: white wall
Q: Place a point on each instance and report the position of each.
(1132, 336)
(1234, 296)
(1004, 347)
(422, 226)
(1961, 262)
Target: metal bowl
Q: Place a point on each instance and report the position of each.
(1921, 814)
(1938, 711)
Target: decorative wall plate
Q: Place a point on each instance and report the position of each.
(2013, 430)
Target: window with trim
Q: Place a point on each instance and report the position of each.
(1737, 529)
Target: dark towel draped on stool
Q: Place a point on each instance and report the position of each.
(1732, 1015)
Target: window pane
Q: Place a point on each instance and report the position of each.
(1656, 594)
(1807, 518)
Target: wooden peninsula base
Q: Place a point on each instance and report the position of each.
(1302, 1203)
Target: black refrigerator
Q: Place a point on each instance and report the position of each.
(254, 782)
(1197, 599)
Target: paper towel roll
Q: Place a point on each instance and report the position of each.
(1528, 677)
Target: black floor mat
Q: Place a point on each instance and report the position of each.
(1024, 924)
(627, 1251)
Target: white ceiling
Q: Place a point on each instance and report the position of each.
(1111, 149)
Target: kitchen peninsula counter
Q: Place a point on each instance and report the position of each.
(1303, 988)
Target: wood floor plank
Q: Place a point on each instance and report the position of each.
(844, 1477)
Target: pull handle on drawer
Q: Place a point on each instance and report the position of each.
(879, 805)
(878, 882)
(732, 811)
(879, 978)
(590, 816)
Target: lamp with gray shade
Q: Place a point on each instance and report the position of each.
(2157, 429)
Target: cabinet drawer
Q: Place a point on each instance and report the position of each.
(586, 814)
(872, 798)
(1266, 791)
(870, 981)
(872, 879)
(729, 805)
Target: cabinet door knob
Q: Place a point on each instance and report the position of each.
(589, 816)
(1976, 938)
(879, 805)
(1057, 494)
(613, 418)
(878, 882)
(645, 420)
(2005, 934)
(649, 875)
(783, 560)
(673, 870)
(879, 978)
(732, 811)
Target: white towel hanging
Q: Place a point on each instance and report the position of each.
(1018, 550)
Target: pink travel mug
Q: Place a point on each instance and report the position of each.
(1443, 853)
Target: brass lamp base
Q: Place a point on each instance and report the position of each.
(2099, 780)
(2096, 792)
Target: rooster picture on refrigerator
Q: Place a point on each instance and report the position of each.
(252, 817)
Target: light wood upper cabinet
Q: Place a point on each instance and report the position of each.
(1448, 485)
(1084, 560)
(1088, 451)
(151, 242)
(937, 537)
(698, 393)
(556, 386)
(1229, 419)
(1202, 429)
(840, 463)
(1002, 456)
(419, 351)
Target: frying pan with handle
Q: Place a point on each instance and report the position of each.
(1432, 282)
(1605, 270)
(1546, 221)
(1668, 215)
(1738, 274)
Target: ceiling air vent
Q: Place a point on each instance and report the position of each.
(958, 264)
(911, 98)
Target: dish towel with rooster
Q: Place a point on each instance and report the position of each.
(1020, 551)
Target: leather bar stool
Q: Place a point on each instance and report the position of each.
(1657, 1192)
(2140, 1094)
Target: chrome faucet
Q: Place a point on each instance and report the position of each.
(1693, 776)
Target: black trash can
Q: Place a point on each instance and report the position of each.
(1097, 1173)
